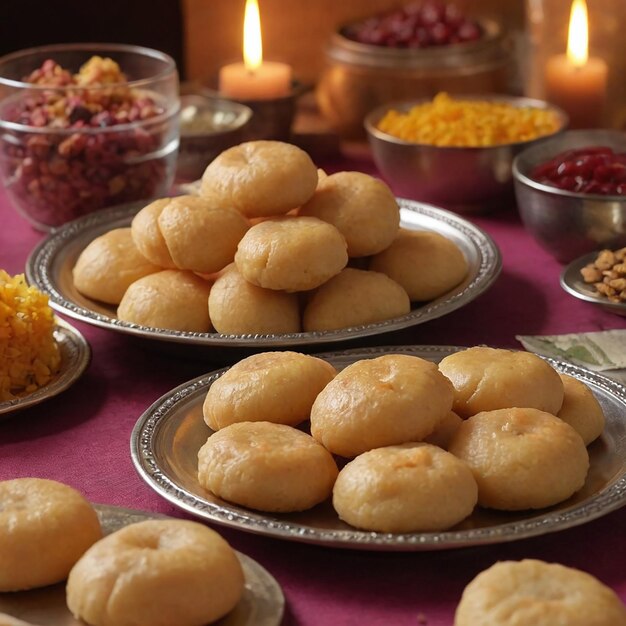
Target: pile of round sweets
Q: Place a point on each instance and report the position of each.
(273, 246)
(158, 572)
(421, 445)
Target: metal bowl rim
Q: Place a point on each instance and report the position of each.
(519, 101)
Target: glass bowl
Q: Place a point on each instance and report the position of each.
(74, 141)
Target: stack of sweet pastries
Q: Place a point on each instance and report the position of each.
(420, 444)
(274, 246)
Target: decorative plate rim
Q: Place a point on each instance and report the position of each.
(75, 358)
(146, 429)
(40, 261)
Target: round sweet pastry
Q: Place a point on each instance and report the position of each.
(266, 466)
(199, 236)
(157, 572)
(8, 620)
(372, 403)
(363, 209)
(108, 265)
(239, 307)
(260, 178)
(426, 264)
(148, 236)
(536, 593)
(521, 458)
(581, 410)
(170, 299)
(291, 253)
(444, 430)
(486, 379)
(45, 527)
(247, 392)
(352, 298)
(414, 487)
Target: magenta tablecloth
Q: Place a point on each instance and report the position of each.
(82, 438)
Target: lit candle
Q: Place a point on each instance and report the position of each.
(254, 79)
(575, 81)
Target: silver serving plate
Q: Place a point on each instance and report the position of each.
(50, 264)
(75, 357)
(262, 603)
(572, 282)
(167, 437)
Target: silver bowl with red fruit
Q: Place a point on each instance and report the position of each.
(571, 192)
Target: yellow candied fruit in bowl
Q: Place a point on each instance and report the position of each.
(29, 354)
(468, 123)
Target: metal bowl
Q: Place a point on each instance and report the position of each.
(565, 223)
(208, 126)
(463, 179)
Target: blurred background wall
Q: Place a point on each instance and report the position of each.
(295, 30)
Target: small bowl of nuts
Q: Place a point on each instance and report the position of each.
(571, 192)
(457, 151)
(598, 277)
(86, 126)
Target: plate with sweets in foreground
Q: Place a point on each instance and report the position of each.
(178, 455)
(261, 603)
(331, 270)
(42, 355)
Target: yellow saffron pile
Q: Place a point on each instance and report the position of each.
(29, 354)
(468, 123)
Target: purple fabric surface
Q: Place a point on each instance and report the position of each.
(82, 438)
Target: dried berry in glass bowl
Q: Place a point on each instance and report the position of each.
(416, 25)
(83, 127)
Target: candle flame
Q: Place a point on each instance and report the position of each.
(252, 42)
(578, 34)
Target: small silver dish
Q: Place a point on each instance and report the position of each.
(208, 126)
(571, 280)
(565, 223)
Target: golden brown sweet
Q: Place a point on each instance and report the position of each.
(45, 527)
(291, 253)
(200, 236)
(581, 410)
(108, 265)
(426, 264)
(352, 298)
(536, 593)
(372, 403)
(157, 572)
(492, 378)
(170, 299)
(148, 236)
(239, 307)
(521, 458)
(363, 209)
(265, 466)
(260, 178)
(275, 387)
(444, 430)
(414, 487)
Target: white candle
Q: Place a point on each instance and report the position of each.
(269, 80)
(254, 79)
(575, 81)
